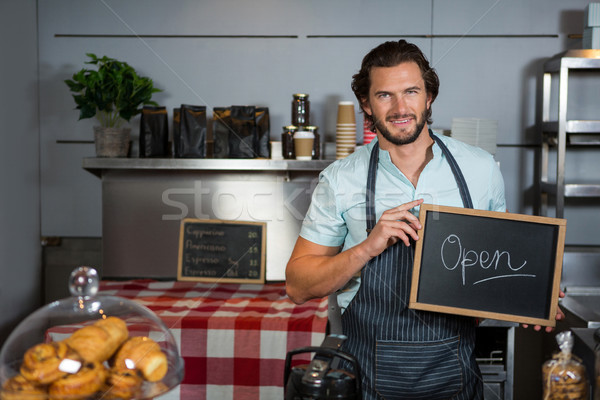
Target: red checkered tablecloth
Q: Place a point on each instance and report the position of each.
(233, 337)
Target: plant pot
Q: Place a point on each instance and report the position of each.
(111, 142)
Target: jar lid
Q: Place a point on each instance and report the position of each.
(300, 95)
(290, 128)
(89, 335)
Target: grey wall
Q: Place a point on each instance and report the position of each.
(20, 252)
(488, 55)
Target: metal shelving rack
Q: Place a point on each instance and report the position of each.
(555, 134)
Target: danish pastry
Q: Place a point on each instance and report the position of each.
(81, 385)
(41, 363)
(122, 384)
(18, 388)
(143, 354)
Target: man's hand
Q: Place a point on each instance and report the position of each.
(396, 224)
(559, 315)
(316, 271)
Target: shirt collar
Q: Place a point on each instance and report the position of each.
(385, 160)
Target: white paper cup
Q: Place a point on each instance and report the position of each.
(303, 145)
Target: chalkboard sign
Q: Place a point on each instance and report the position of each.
(221, 251)
(488, 264)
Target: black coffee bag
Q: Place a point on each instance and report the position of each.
(191, 141)
(263, 133)
(242, 137)
(154, 132)
(221, 124)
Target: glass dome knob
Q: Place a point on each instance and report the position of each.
(84, 282)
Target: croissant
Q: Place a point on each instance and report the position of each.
(116, 328)
(143, 354)
(81, 385)
(98, 342)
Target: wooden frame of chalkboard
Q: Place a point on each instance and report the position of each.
(221, 251)
(488, 264)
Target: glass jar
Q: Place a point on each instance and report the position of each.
(300, 110)
(287, 142)
(316, 152)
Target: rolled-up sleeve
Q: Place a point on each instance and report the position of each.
(323, 223)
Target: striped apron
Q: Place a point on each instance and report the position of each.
(404, 353)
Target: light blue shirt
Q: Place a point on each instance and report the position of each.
(336, 216)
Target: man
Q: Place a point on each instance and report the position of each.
(366, 205)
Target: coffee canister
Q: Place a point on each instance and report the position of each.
(287, 142)
(300, 110)
(316, 152)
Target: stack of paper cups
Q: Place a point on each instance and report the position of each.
(345, 139)
(368, 134)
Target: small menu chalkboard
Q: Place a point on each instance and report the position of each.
(221, 251)
(488, 264)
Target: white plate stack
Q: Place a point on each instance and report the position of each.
(345, 131)
(477, 132)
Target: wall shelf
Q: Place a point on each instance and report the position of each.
(558, 134)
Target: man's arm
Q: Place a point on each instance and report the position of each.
(316, 271)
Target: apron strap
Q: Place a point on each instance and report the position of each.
(460, 179)
(372, 177)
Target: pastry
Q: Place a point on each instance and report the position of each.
(81, 385)
(41, 363)
(117, 331)
(143, 354)
(18, 388)
(122, 384)
(98, 342)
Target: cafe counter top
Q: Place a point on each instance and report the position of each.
(95, 165)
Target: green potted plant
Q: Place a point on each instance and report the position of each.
(113, 93)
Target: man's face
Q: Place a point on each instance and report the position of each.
(398, 102)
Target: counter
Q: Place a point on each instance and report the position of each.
(145, 199)
(233, 338)
(581, 306)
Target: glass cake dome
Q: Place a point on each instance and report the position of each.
(89, 346)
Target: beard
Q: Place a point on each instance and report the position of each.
(408, 138)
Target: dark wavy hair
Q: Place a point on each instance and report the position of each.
(390, 54)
